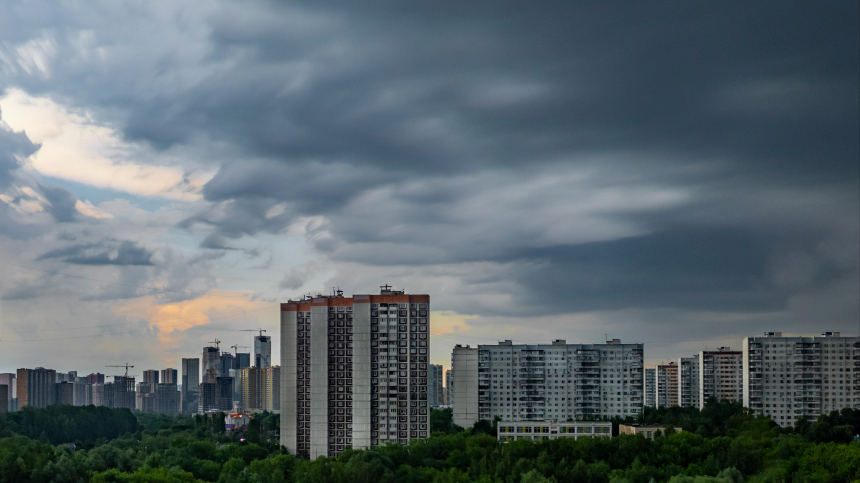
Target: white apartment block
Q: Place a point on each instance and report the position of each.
(546, 430)
(688, 382)
(721, 375)
(547, 382)
(651, 387)
(787, 378)
(353, 371)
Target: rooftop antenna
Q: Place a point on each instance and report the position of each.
(126, 365)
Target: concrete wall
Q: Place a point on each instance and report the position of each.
(464, 361)
(361, 387)
(319, 381)
(288, 380)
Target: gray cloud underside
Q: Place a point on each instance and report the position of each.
(110, 252)
(695, 156)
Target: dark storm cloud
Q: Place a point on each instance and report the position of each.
(62, 203)
(108, 252)
(612, 155)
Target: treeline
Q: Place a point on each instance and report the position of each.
(726, 444)
(70, 424)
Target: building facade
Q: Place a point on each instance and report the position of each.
(272, 394)
(210, 364)
(169, 376)
(721, 375)
(354, 371)
(667, 385)
(262, 351)
(547, 430)
(787, 378)
(252, 380)
(190, 384)
(651, 387)
(552, 382)
(434, 385)
(689, 391)
(449, 387)
(36, 387)
(4, 398)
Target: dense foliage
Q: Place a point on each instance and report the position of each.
(722, 444)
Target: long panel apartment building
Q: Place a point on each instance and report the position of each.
(354, 371)
(787, 378)
(547, 382)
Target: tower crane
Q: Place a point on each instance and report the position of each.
(216, 342)
(236, 348)
(261, 330)
(127, 367)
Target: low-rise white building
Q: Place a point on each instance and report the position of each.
(546, 430)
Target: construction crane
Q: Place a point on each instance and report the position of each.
(126, 365)
(216, 342)
(236, 348)
(261, 330)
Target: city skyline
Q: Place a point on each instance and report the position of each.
(677, 177)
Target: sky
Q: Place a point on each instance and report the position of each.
(681, 174)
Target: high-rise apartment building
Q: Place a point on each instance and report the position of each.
(10, 380)
(464, 370)
(434, 385)
(252, 381)
(272, 394)
(667, 385)
(689, 394)
(169, 376)
(190, 384)
(65, 393)
(557, 381)
(150, 377)
(721, 375)
(215, 396)
(167, 397)
(787, 378)
(262, 351)
(651, 387)
(36, 387)
(354, 371)
(96, 378)
(4, 399)
(449, 387)
(120, 393)
(211, 364)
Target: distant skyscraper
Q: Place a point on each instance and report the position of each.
(689, 369)
(4, 399)
(354, 371)
(169, 376)
(262, 351)
(651, 387)
(10, 380)
(96, 378)
(243, 360)
(667, 385)
(190, 384)
(252, 383)
(150, 377)
(65, 393)
(721, 375)
(211, 362)
(167, 398)
(121, 394)
(227, 362)
(36, 387)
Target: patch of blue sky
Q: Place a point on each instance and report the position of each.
(96, 195)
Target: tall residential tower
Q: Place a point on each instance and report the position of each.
(354, 371)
